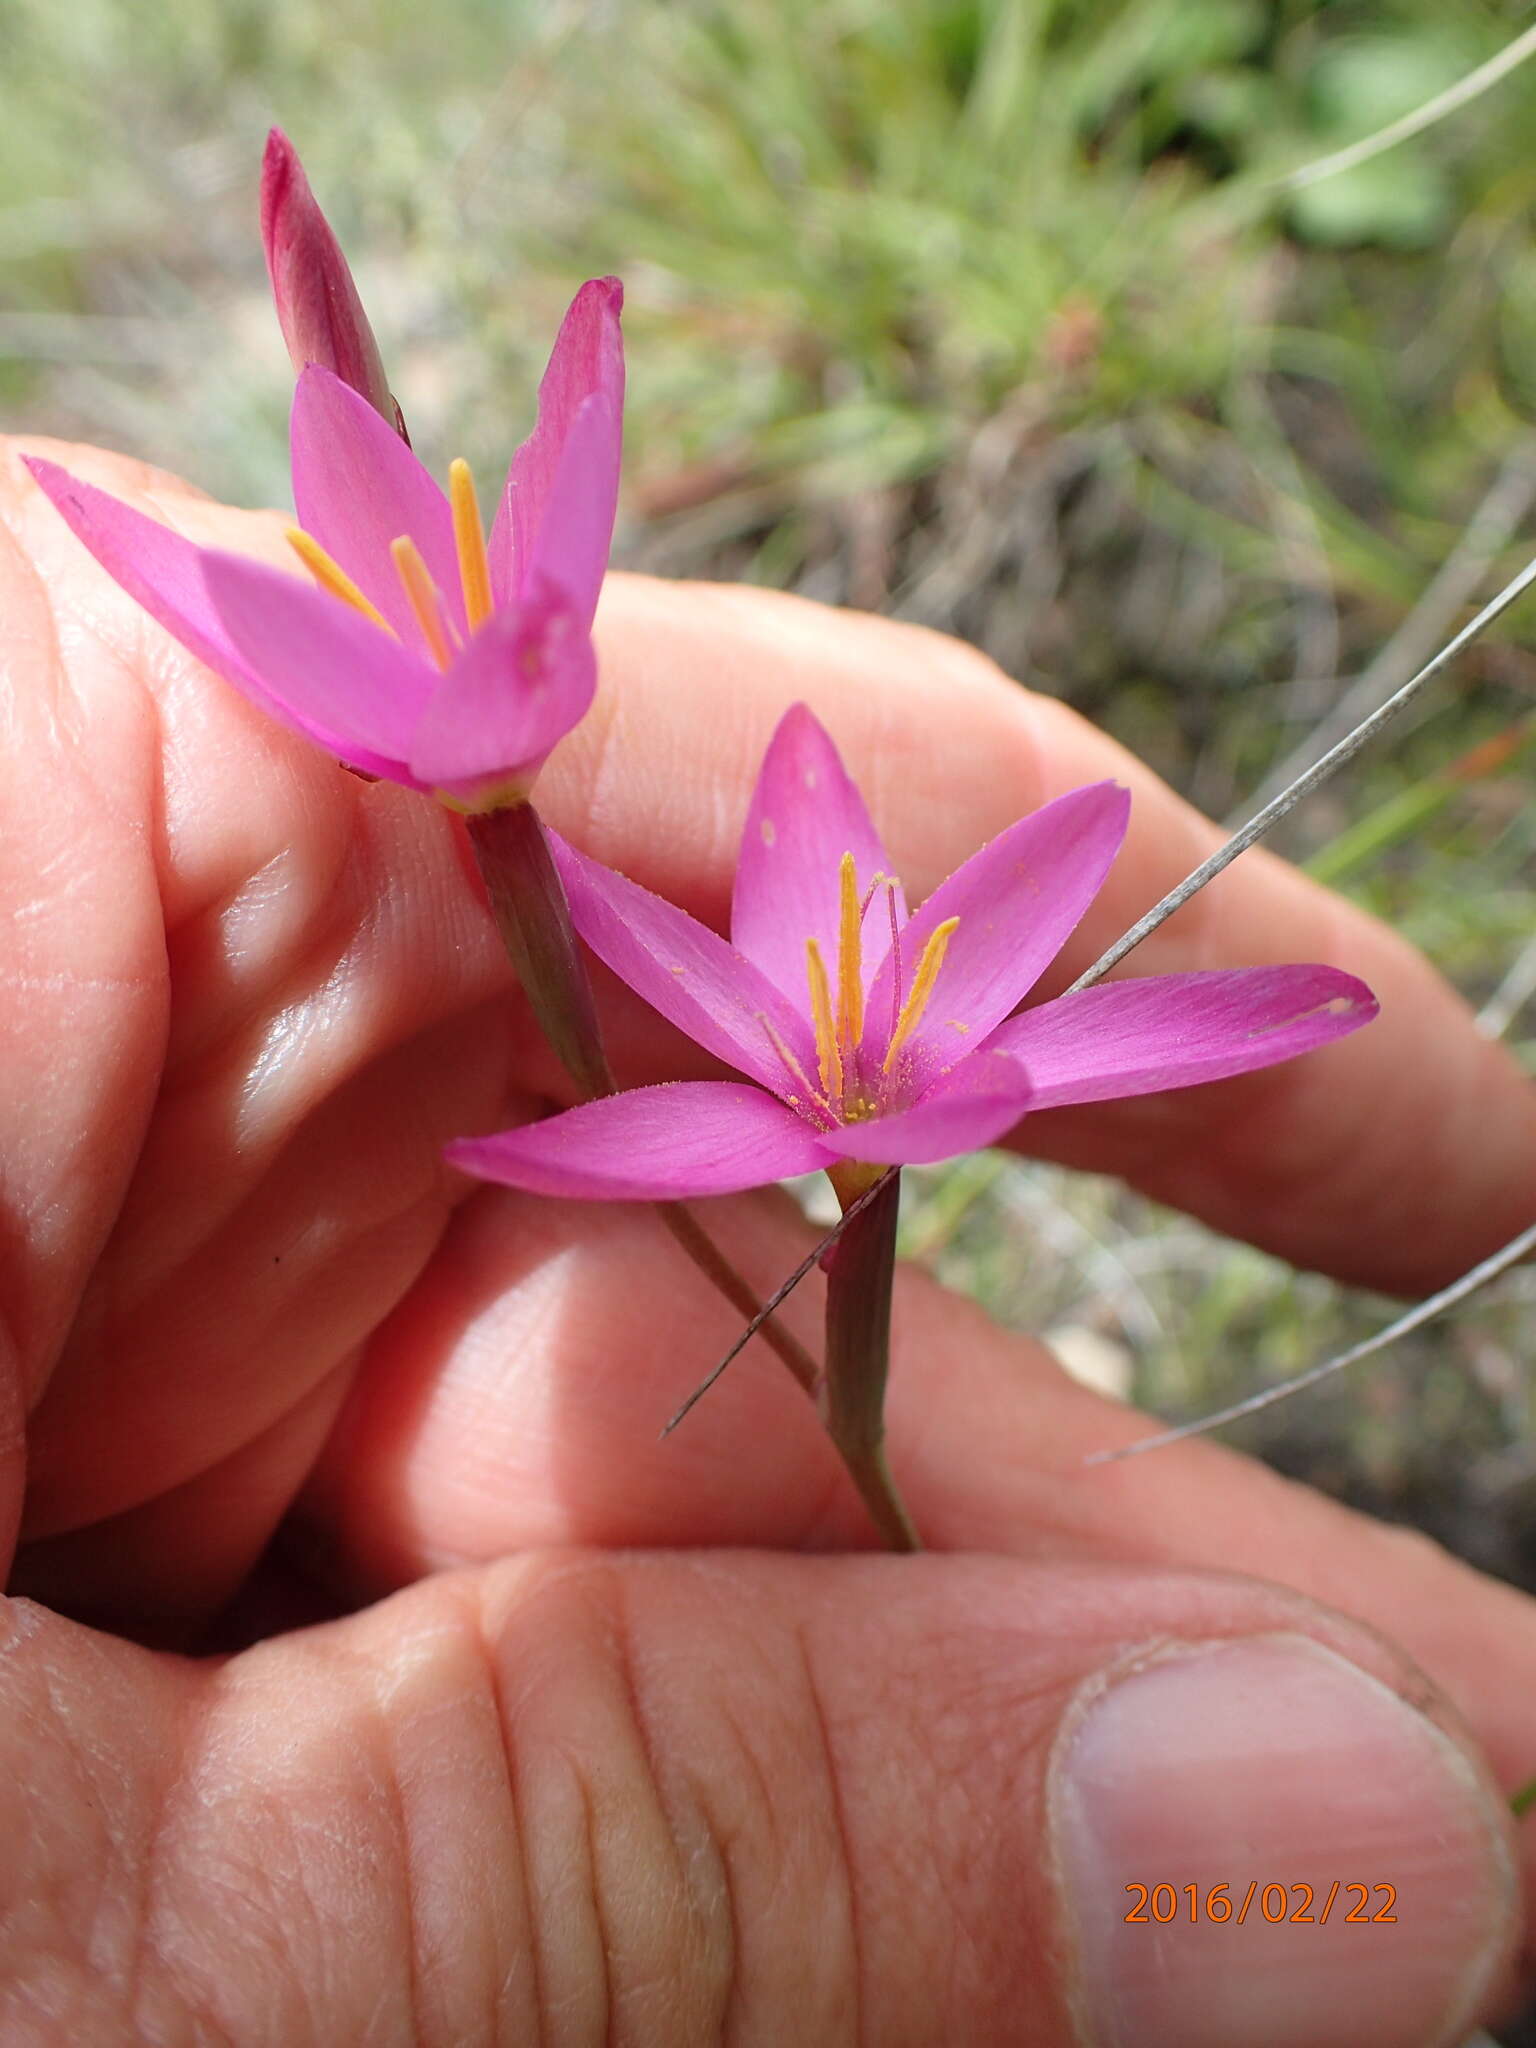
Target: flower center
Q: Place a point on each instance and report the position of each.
(840, 1028)
(421, 593)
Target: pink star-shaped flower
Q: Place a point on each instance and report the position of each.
(420, 651)
(872, 1036)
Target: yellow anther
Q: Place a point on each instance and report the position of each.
(422, 595)
(469, 539)
(330, 576)
(828, 1058)
(850, 959)
(922, 988)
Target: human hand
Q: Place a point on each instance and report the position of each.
(689, 1794)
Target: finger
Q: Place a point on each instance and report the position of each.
(515, 1401)
(665, 1802)
(168, 1564)
(1395, 1159)
(247, 1000)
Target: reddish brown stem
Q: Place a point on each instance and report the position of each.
(860, 1269)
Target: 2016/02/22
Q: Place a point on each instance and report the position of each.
(1160, 1903)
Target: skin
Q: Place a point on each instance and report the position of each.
(590, 1737)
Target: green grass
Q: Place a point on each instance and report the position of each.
(993, 314)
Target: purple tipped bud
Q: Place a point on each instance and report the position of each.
(318, 308)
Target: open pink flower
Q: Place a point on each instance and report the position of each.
(873, 1037)
(420, 652)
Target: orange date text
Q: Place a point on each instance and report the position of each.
(1361, 1905)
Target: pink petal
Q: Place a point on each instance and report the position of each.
(651, 1144)
(318, 308)
(165, 574)
(576, 531)
(519, 686)
(685, 971)
(1172, 1030)
(322, 659)
(357, 487)
(559, 475)
(805, 815)
(974, 1105)
(1018, 901)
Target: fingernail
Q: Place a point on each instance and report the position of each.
(1259, 1843)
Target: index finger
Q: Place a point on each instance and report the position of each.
(1394, 1159)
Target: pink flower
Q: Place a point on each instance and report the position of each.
(873, 1037)
(420, 652)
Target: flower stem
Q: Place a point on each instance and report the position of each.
(533, 917)
(696, 1241)
(860, 1268)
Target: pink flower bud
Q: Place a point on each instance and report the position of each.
(318, 308)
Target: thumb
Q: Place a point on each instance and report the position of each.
(683, 1800)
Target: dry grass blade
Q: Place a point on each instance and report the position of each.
(1279, 806)
(1511, 995)
(1423, 1312)
(1458, 95)
(1509, 498)
(779, 1296)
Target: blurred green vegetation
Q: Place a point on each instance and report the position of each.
(994, 314)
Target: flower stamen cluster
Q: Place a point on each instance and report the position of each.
(431, 614)
(850, 1093)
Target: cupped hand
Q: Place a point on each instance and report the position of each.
(699, 1794)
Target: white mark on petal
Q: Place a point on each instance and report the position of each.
(1334, 1006)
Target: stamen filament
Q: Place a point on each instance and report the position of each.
(791, 1065)
(422, 594)
(922, 988)
(828, 1058)
(850, 960)
(469, 539)
(890, 904)
(331, 577)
